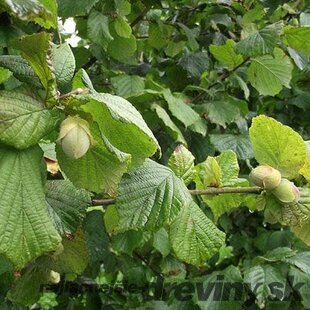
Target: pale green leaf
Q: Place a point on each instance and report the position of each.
(180, 110)
(122, 124)
(305, 170)
(150, 197)
(208, 173)
(277, 145)
(219, 204)
(298, 39)
(229, 168)
(194, 238)
(64, 63)
(269, 74)
(35, 49)
(181, 162)
(24, 120)
(161, 242)
(226, 54)
(5, 74)
(121, 27)
(169, 125)
(26, 230)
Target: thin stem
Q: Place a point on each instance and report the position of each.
(195, 192)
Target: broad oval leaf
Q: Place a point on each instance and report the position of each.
(150, 197)
(24, 120)
(269, 74)
(181, 162)
(64, 63)
(194, 238)
(277, 145)
(122, 124)
(67, 205)
(298, 39)
(26, 231)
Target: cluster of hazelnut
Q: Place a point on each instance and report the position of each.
(271, 180)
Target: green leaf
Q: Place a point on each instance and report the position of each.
(208, 173)
(240, 144)
(20, 68)
(169, 125)
(258, 43)
(293, 215)
(27, 289)
(43, 12)
(230, 299)
(80, 7)
(220, 204)
(64, 63)
(277, 145)
(222, 112)
(259, 279)
(181, 162)
(122, 124)
(98, 29)
(121, 27)
(97, 239)
(150, 197)
(122, 48)
(128, 85)
(298, 39)
(269, 74)
(35, 49)
(194, 238)
(74, 258)
(128, 241)
(195, 63)
(226, 54)
(302, 232)
(161, 242)
(301, 261)
(298, 277)
(24, 120)
(159, 35)
(100, 169)
(192, 43)
(67, 205)
(26, 230)
(5, 74)
(229, 168)
(180, 110)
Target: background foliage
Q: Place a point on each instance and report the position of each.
(180, 96)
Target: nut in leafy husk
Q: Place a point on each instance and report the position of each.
(54, 277)
(287, 192)
(266, 177)
(75, 137)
